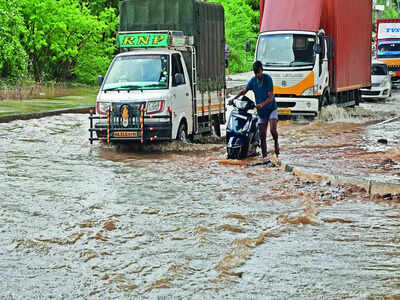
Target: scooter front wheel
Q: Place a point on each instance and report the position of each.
(234, 153)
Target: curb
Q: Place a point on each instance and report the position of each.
(372, 187)
(10, 118)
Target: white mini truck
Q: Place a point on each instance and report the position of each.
(164, 85)
(148, 95)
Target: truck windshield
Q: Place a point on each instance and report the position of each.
(138, 72)
(389, 49)
(286, 50)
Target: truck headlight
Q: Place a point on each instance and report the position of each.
(312, 91)
(102, 107)
(154, 107)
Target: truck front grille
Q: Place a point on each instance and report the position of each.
(370, 93)
(284, 104)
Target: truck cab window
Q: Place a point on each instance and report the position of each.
(177, 69)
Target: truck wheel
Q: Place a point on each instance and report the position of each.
(323, 101)
(182, 133)
(217, 126)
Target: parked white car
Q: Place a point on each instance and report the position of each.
(381, 82)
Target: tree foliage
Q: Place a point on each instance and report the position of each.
(56, 42)
(13, 58)
(241, 23)
(98, 6)
(75, 39)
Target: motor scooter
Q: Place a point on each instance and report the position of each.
(242, 136)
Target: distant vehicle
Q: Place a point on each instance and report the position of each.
(388, 46)
(381, 83)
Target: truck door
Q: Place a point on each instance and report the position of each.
(181, 94)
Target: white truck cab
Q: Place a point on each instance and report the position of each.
(297, 61)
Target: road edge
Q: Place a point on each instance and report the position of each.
(372, 187)
(80, 110)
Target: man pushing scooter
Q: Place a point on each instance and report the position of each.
(267, 109)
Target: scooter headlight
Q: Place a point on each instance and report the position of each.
(240, 104)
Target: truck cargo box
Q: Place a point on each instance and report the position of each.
(290, 15)
(204, 21)
(349, 24)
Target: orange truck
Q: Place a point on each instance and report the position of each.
(388, 46)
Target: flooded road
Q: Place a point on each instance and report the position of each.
(182, 222)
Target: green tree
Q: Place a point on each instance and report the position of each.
(95, 56)
(55, 41)
(241, 23)
(13, 58)
(98, 6)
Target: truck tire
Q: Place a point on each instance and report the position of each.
(182, 132)
(217, 126)
(323, 101)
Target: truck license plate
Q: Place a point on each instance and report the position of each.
(284, 111)
(125, 134)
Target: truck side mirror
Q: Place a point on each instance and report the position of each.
(100, 80)
(330, 48)
(317, 49)
(248, 46)
(179, 79)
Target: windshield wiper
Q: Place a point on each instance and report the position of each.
(124, 87)
(155, 85)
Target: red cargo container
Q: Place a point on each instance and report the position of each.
(347, 22)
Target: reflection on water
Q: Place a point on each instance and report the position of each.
(81, 221)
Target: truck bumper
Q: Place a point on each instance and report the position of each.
(291, 106)
(376, 92)
(150, 132)
(137, 128)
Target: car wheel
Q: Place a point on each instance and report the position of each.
(182, 133)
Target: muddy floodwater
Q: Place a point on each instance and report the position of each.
(179, 221)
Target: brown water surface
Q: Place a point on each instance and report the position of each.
(179, 220)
